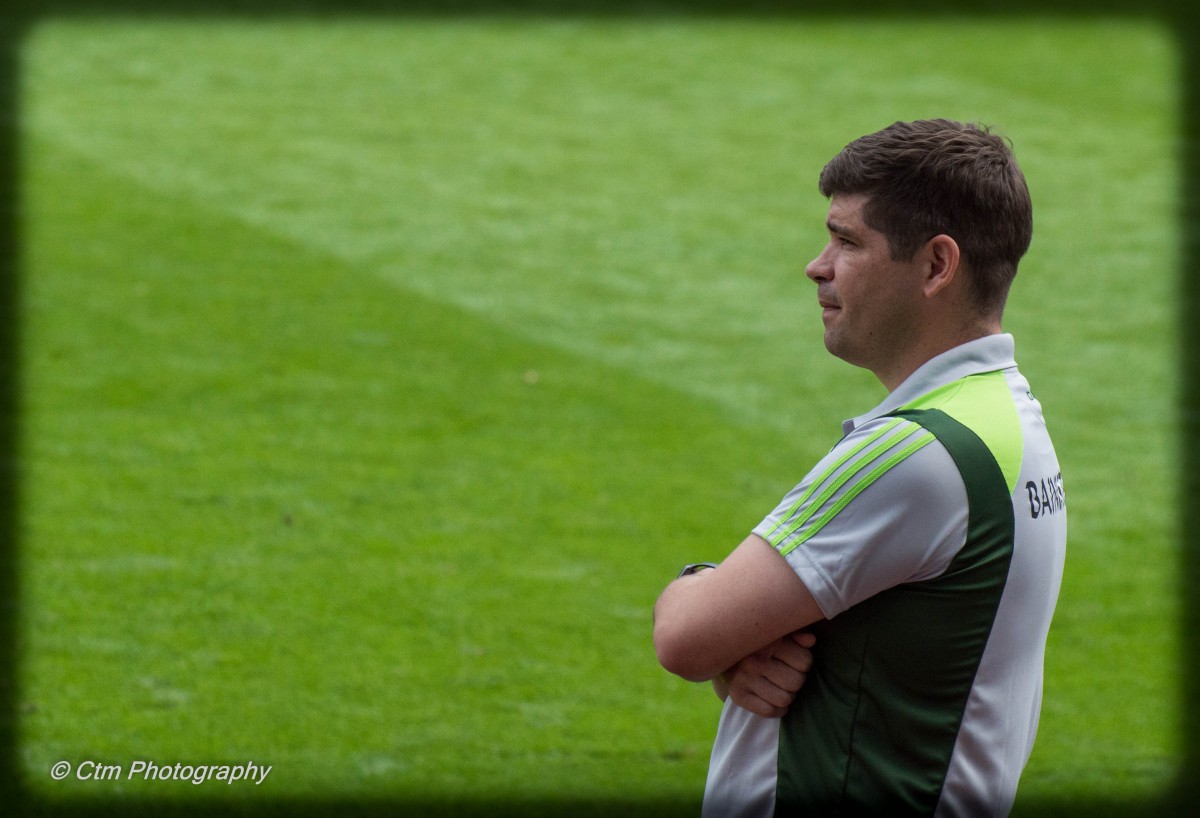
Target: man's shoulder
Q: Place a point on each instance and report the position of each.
(879, 462)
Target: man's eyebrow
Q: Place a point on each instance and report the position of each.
(841, 230)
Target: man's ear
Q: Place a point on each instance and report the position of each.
(944, 259)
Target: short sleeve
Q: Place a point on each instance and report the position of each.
(887, 506)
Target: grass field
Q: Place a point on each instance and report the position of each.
(379, 373)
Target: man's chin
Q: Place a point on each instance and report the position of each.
(836, 346)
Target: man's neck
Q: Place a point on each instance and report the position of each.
(931, 347)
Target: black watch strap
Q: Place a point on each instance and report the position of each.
(694, 567)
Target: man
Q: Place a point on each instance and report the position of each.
(902, 592)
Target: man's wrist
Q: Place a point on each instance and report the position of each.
(720, 684)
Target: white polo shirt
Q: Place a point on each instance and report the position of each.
(933, 537)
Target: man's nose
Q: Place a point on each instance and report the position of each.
(821, 267)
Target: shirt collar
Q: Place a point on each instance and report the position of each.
(986, 354)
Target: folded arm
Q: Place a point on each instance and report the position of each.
(707, 622)
(766, 681)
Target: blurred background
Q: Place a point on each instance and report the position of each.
(376, 371)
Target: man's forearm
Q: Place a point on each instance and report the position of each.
(706, 622)
(668, 610)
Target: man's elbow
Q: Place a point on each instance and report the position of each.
(679, 654)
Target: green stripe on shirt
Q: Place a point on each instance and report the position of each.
(920, 442)
(806, 506)
(799, 504)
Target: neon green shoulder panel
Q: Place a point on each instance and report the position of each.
(984, 404)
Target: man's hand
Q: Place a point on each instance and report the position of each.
(766, 681)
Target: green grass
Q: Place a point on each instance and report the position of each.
(379, 374)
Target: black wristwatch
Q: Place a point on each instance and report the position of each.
(694, 567)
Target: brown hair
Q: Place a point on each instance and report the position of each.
(936, 176)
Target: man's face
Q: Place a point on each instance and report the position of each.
(870, 303)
